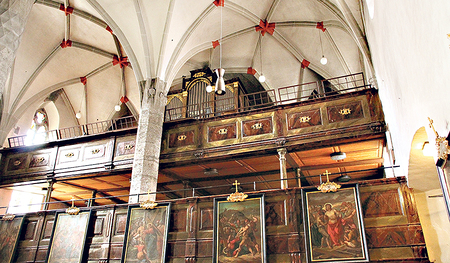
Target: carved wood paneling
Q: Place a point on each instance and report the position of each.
(206, 219)
(178, 220)
(344, 112)
(277, 244)
(180, 139)
(377, 204)
(222, 132)
(17, 163)
(395, 236)
(257, 127)
(275, 213)
(39, 160)
(126, 148)
(304, 119)
(204, 248)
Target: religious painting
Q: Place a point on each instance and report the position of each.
(146, 234)
(334, 227)
(9, 238)
(239, 230)
(68, 238)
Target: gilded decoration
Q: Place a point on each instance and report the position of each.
(237, 196)
(328, 186)
(441, 143)
(73, 210)
(345, 111)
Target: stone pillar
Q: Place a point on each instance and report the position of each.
(144, 177)
(283, 173)
(13, 17)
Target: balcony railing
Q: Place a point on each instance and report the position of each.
(221, 106)
(76, 131)
(269, 98)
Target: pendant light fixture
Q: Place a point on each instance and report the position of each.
(323, 60)
(261, 78)
(220, 83)
(117, 107)
(209, 87)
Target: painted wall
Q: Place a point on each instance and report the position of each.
(411, 55)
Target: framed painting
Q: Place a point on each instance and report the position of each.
(68, 238)
(9, 238)
(334, 226)
(146, 234)
(239, 230)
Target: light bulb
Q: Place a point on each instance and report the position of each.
(208, 88)
(78, 115)
(117, 107)
(323, 60)
(262, 78)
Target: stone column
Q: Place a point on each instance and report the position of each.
(283, 173)
(13, 17)
(144, 177)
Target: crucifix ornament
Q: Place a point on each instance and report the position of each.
(328, 186)
(237, 196)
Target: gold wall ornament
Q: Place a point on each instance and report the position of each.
(73, 210)
(8, 217)
(17, 162)
(40, 160)
(257, 126)
(443, 150)
(237, 196)
(68, 155)
(222, 131)
(199, 74)
(95, 151)
(304, 119)
(148, 204)
(182, 137)
(345, 111)
(129, 147)
(328, 186)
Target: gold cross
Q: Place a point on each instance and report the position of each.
(327, 173)
(236, 184)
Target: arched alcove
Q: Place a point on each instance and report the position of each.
(423, 178)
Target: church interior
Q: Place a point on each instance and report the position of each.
(224, 131)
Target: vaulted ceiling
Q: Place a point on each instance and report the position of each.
(166, 39)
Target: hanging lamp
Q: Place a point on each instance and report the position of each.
(220, 82)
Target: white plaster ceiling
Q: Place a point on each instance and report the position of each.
(167, 39)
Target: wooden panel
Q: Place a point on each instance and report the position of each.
(39, 160)
(257, 127)
(30, 230)
(94, 152)
(17, 163)
(25, 254)
(176, 249)
(277, 244)
(180, 139)
(120, 224)
(275, 214)
(395, 236)
(304, 119)
(206, 219)
(222, 132)
(204, 248)
(344, 112)
(178, 220)
(69, 154)
(379, 204)
(126, 148)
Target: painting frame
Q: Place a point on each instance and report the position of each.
(342, 240)
(152, 218)
(7, 251)
(249, 212)
(72, 227)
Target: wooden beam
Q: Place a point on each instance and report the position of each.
(110, 197)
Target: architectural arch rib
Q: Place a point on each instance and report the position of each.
(38, 70)
(45, 92)
(121, 36)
